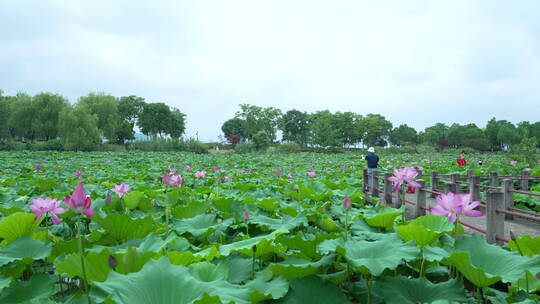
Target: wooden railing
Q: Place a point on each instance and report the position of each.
(499, 205)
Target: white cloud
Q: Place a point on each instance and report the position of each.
(414, 62)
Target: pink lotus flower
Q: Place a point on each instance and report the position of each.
(249, 172)
(200, 174)
(228, 179)
(404, 175)
(513, 163)
(347, 203)
(188, 168)
(278, 172)
(452, 205)
(38, 167)
(42, 206)
(245, 215)
(77, 173)
(289, 175)
(172, 171)
(121, 190)
(79, 202)
(166, 179)
(311, 174)
(215, 168)
(527, 169)
(420, 168)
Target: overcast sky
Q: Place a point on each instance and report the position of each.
(415, 62)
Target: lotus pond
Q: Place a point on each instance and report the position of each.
(185, 228)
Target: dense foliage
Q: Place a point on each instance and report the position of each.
(83, 125)
(342, 129)
(284, 228)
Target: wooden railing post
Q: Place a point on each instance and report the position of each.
(455, 180)
(434, 182)
(524, 185)
(450, 187)
(508, 197)
(495, 220)
(387, 189)
(374, 191)
(470, 174)
(474, 189)
(366, 181)
(420, 200)
(494, 179)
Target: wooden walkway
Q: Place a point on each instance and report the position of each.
(519, 226)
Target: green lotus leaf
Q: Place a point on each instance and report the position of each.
(159, 282)
(424, 230)
(264, 288)
(96, 265)
(484, 264)
(268, 204)
(4, 282)
(190, 210)
(131, 261)
(374, 257)
(327, 224)
(240, 268)
(332, 245)
(264, 244)
(122, 227)
(184, 258)
(295, 268)
(24, 247)
(314, 291)
(383, 217)
(286, 222)
(208, 272)
(528, 245)
(307, 247)
(199, 225)
(401, 290)
(36, 290)
(16, 225)
(132, 199)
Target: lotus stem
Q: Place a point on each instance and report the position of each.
(526, 277)
(83, 268)
(368, 287)
(422, 270)
(346, 224)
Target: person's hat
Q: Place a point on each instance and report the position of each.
(371, 150)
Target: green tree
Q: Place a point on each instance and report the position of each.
(459, 135)
(105, 107)
(233, 129)
(155, 119)
(323, 131)
(22, 117)
(436, 133)
(403, 135)
(129, 109)
(48, 107)
(261, 140)
(508, 134)
(377, 129)
(4, 116)
(349, 126)
(176, 125)
(78, 128)
(294, 125)
(259, 119)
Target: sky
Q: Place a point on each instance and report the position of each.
(415, 62)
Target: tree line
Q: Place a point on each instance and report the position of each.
(342, 129)
(85, 124)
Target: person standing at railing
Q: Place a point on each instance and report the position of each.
(372, 164)
(461, 161)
